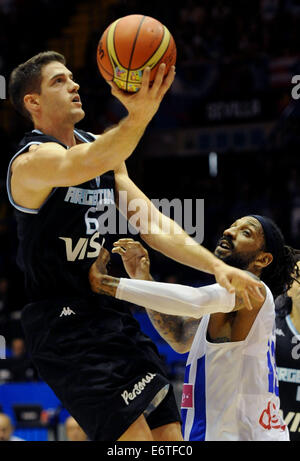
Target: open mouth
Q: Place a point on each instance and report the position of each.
(225, 244)
(76, 99)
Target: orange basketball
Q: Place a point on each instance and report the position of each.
(130, 44)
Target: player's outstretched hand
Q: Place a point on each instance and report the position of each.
(98, 269)
(135, 258)
(143, 104)
(238, 280)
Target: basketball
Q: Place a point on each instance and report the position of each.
(130, 44)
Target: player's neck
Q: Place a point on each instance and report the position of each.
(62, 133)
(295, 316)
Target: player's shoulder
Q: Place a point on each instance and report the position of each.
(35, 137)
(35, 150)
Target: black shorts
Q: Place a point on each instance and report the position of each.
(104, 370)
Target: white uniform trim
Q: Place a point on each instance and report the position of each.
(19, 207)
(291, 325)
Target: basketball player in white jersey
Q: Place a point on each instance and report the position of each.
(230, 391)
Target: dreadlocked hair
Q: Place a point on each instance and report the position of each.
(279, 275)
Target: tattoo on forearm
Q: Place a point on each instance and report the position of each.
(107, 285)
(174, 329)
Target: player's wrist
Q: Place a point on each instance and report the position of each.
(140, 116)
(217, 267)
(108, 285)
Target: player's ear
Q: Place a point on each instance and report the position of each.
(31, 102)
(263, 260)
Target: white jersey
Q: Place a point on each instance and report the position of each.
(231, 389)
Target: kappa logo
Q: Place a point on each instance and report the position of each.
(67, 311)
(279, 332)
(137, 388)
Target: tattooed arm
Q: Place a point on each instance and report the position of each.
(178, 331)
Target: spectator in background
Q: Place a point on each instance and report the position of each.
(7, 429)
(74, 432)
(20, 364)
(18, 367)
(288, 354)
(18, 348)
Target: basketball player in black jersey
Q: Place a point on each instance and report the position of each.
(288, 354)
(61, 181)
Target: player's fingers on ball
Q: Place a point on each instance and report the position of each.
(145, 80)
(169, 79)
(159, 75)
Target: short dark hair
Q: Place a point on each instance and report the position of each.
(27, 77)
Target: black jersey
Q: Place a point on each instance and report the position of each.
(288, 369)
(59, 241)
(87, 347)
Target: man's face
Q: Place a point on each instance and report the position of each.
(59, 99)
(241, 243)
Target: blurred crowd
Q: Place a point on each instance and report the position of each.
(227, 50)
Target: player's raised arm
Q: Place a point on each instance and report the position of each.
(51, 165)
(166, 236)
